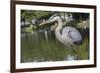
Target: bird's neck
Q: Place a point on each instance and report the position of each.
(60, 25)
(58, 29)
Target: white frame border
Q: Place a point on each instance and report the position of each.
(59, 63)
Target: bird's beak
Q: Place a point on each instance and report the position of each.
(43, 23)
(47, 22)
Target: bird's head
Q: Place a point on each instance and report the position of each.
(54, 18)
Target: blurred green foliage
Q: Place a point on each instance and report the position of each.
(30, 14)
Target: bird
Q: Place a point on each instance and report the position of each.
(67, 35)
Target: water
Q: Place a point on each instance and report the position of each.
(43, 46)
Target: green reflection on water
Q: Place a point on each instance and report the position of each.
(35, 48)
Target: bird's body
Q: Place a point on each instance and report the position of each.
(69, 36)
(66, 35)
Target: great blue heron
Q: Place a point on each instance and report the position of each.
(68, 35)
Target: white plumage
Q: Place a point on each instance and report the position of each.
(66, 35)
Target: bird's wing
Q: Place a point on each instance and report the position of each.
(66, 37)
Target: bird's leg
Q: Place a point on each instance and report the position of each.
(76, 54)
